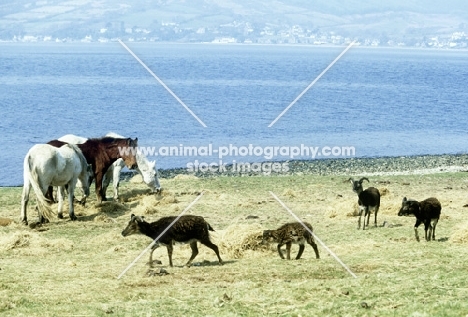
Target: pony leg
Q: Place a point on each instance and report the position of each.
(106, 180)
(60, 194)
(71, 195)
(50, 194)
(24, 202)
(116, 180)
(99, 193)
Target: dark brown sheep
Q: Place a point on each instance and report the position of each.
(368, 199)
(187, 229)
(426, 211)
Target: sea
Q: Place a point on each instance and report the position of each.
(198, 105)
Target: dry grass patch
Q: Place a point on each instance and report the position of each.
(238, 240)
(31, 243)
(73, 266)
(460, 234)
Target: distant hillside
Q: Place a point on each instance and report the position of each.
(207, 19)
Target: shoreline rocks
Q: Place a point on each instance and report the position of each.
(421, 164)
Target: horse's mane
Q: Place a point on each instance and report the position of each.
(56, 143)
(106, 139)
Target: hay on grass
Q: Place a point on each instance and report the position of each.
(112, 207)
(170, 199)
(31, 243)
(460, 234)
(384, 191)
(5, 222)
(289, 193)
(147, 205)
(111, 240)
(238, 239)
(342, 209)
(136, 179)
(102, 217)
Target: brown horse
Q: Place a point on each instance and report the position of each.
(101, 153)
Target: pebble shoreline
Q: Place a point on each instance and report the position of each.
(423, 164)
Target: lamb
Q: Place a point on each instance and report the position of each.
(425, 211)
(369, 199)
(187, 229)
(288, 234)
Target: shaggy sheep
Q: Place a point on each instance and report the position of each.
(426, 211)
(187, 229)
(288, 234)
(369, 199)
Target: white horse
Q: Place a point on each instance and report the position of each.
(147, 169)
(44, 166)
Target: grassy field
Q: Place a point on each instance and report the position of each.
(70, 268)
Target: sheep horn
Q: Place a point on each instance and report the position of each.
(363, 179)
(351, 180)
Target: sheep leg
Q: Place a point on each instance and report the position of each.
(170, 248)
(368, 217)
(429, 233)
(314, 246)
(301, 250)
(428, 230)
(151, 256)
(193, 246)
(361, 209)
(416, 225)
(279, 250)
(375, 218)
(288, 250)
(213, 247)
(434, 223)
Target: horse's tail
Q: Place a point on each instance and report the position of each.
(43, 203)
